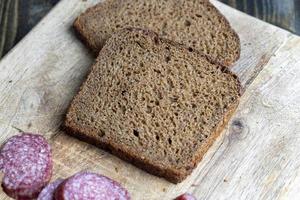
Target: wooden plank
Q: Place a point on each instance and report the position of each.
(17, 18)
(281, 13)
(8, 24)
(258, 157)
(252, 159)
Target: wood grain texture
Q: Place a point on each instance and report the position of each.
(30, 13)
(18, 17)
(256, 156)
(284, 14)
(8, 24)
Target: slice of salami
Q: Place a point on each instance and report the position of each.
(186, 196)
(48, 192)
(26, 163)
(90, 186)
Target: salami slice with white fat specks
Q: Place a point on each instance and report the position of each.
(90, 186)
(25, 161)
(48, 192)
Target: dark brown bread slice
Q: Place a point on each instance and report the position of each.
(195, 23)
(154, 103)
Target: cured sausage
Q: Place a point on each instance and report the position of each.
(186, 196)
(90, 186)
(48, 192)
(26, 162)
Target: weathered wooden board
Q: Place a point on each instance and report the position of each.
(255, 158)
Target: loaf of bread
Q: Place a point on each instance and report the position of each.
(154, 103)
(195, 23)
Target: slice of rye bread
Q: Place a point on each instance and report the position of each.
(195, 23)
(154, 103)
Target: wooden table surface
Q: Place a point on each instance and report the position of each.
(18, 17)
(256, 156)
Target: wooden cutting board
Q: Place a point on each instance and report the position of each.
(257, 156)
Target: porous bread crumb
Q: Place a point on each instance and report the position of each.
(153, 102)
(195, 23)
